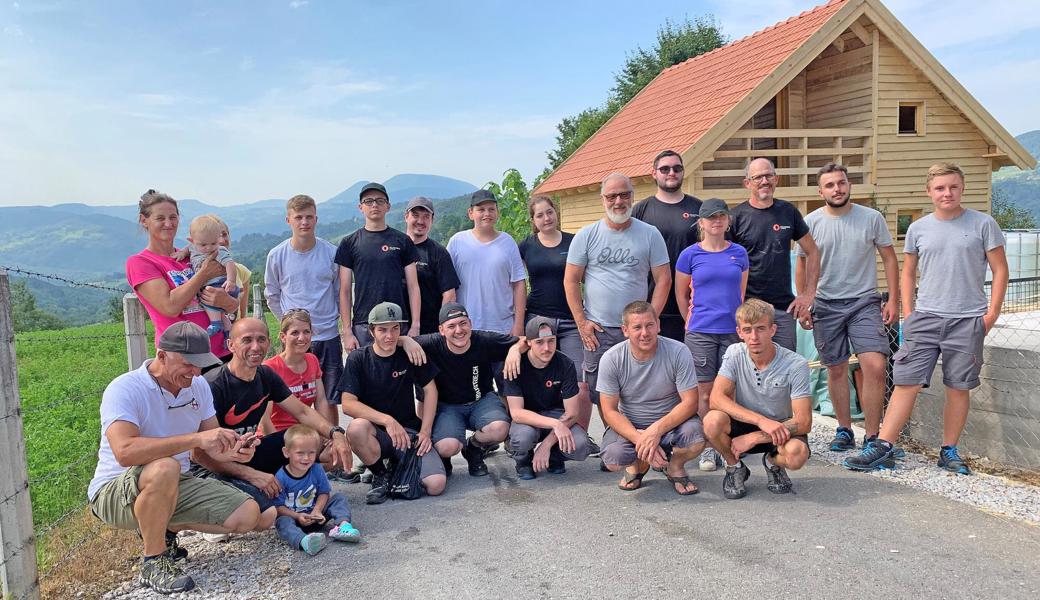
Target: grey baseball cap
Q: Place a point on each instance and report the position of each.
(373, 186)
(712, 207)
(535, 326)
(482, 196)
(451, 310)
(190, 341)
(420, 202)
(385, 312)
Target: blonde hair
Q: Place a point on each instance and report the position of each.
(300, 202)
(535, 201)
(296, 314)
(943, 168)
(754, 310)
(299, 432)
(204, 224)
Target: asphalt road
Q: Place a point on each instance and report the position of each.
(839, 535)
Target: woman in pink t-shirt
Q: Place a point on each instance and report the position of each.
(168, 288)
(300, 371)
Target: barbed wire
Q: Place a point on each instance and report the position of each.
(65, 469)
(73, 338)
(62, 402)
(65, 280)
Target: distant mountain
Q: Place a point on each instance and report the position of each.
(401, 189)
(1022, 188)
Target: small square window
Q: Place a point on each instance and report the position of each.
(903, 220)
(911, 118)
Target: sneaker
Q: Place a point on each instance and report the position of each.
(709, 460)
(173, 549)
(951, 460)
(733, 484)
(897, 452)
(594, 449)
(162, 575)
(874, 456)
(380, 490)
(447, 465)
(314, 543)
(341, 476)
(216, 538)
(345, 532)
(525, 471)
(779, 482)
(557, 463)
(489, 450)
(474, 456)
(843, 441)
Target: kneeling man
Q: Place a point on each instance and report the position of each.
(152, 418)
(543, 403)
(760, 404)
(377, 389)
(648, 393)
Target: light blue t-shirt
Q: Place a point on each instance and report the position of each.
(715, 279)
(299, 494)
(307, 280)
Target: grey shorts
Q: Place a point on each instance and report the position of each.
(855, 321)
(620, 451)
(926, 336)
(707, 350)
(786, 330)
(608, 338)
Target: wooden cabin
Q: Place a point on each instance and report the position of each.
(843, 82)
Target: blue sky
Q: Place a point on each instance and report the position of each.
(236, 101)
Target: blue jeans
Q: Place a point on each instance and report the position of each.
(337, 510)
(454, 419)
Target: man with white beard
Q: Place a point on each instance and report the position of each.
(613, 257)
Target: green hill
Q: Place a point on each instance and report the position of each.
(1022, 188)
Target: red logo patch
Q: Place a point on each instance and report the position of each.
(686, 215)
(776, 227)
(385, 247)
(548, 384)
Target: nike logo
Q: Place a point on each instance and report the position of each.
(232, 418)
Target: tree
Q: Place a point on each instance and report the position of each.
(676, 43)
(1010, 216)
(26, 315)
(512, 195)
(115, 309)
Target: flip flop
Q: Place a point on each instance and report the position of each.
(629, 478)
(683, 480)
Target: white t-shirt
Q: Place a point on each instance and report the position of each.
(136, 398)
(486, 272)
(308, 280)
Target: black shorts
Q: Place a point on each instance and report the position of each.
(739, 428)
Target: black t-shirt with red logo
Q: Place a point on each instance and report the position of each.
(678, 226)
(546, 388)
(467, 377)
(767, 234)
(378, 259)
(385, 383)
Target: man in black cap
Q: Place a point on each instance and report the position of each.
(152, 419)
(437, 277)
(543, 402)
(464, 359)
(383, 260)
(675, 215)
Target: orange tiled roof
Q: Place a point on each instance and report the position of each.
(685, 101)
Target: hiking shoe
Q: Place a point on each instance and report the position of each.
(345, 532)
(779, 482)
(594, 449)
(380, 490)
(897, 452)
(447, 465)
(951, 460)
(709, 460)
(313, 543)
(843, 441)
(162, 575)
(341, 476)
(557, 462)
(868, 439)
(173, 549)
(733, 484)
(874, 456)
(525, 471)
(474, 456)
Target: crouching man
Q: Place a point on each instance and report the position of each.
(760, 404)
(152, 418)
(543, 403)
(648, 393)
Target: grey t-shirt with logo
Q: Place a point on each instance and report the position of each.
(768, 392)
(617, 264)
(952, 263)
(848, 267)
(649, 389)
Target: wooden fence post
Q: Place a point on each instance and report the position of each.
(258, 304)
(136, 329)
(17, 542)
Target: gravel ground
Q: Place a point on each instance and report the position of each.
(990, 493)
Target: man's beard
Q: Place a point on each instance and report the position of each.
(670, 189)
(619, 219)
(834, 204)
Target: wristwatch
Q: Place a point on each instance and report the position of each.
(231, 316)
(335, 430)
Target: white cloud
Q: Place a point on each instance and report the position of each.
(246, 64)
(298, 4)
(13, 30)
(16, 6)
(961, 22)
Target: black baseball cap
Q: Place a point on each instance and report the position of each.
(534, 328)
(373, 186)
(451, 310)
(420, 202)
(712, 207)
(482, 196)
(190, 341)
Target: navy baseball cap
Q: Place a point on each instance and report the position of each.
(373, 186)
(712, 207)
(451, 310)
(482, 196)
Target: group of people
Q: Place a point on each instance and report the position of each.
(675, 318)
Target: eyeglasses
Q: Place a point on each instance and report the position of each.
(621, 195)
(375, 202)
(188, 403)
(666, 169)
(761, 178)
(297, 311)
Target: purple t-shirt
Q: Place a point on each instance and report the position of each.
(715, 281)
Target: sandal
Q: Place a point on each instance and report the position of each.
(682, 480)
(629, 478)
